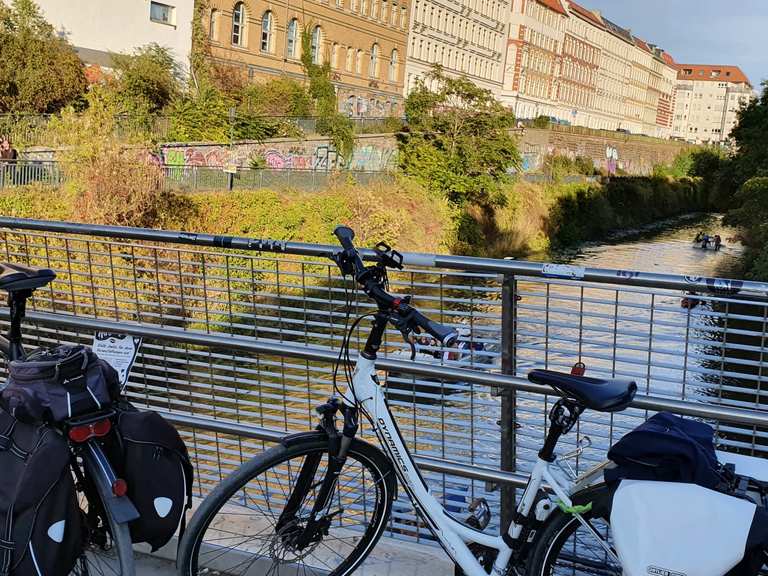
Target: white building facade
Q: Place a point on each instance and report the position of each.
(577, 67)
(466, 37)
(97, 27)
(707, 99)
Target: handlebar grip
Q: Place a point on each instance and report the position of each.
(345, 234)
(447, 336)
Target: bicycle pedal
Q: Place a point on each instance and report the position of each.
(479, 514)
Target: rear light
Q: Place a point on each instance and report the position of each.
(84, 432)
(119, 487)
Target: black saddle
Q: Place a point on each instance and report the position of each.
(19, 277)
(594, 393)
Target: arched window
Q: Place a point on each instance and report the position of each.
(403, 17)
(238, 24)
(359, 62)
(213, 26)
(384, 11)
(350, 58)
(266, 31)
(316, 44)
(373, 69)
(292, 38)
(393, 66)
(395, 14)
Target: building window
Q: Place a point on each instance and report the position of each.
(238, 24)
(359, 62)
(373, 69)
(161, 13)
(375, 9)
(402, 17)
(213, 26)
(315, 45)
(384, 11)
(395, 14)
(292, 38)
(350, 59)
(266, 31)
(393, 66)
(364, 7)
(335, 55)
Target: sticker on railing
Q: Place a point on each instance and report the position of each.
(562, 271)
(724, 286)
(118, 350)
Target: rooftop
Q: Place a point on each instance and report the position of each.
(617, 30)
(554, 5)
(593, 17)
(712, 73)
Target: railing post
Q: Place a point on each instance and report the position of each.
(508, 396)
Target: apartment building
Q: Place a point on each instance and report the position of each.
(578, 67)
(364, 41)
(97, 28)
(466, 37)
(707, 98)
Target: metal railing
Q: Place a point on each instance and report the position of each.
(240, 333)
(25, 172)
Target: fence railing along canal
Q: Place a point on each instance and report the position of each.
(240, 335)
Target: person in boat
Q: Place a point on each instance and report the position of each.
(699, 236)
(718, 241)
(705, 241)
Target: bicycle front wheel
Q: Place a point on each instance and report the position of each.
(566, 546)
(240, 528)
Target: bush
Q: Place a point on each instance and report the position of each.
(542, 122)
(557, 166)
(276, 97)
(148, 79)
(582, 213)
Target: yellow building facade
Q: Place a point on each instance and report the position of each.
(363, 40)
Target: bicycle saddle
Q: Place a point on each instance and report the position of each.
(19, 277)
(594, 393)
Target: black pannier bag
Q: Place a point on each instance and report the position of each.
(55, 384)
(152, 458)
(41, 528)
(670, 449)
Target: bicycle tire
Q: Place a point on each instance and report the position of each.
(557, 540)
(122, 545)
(382, 476)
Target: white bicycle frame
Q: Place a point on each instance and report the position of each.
(452, 534)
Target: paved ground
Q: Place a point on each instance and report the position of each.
(390, 558)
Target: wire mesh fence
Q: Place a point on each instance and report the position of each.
(703, 345)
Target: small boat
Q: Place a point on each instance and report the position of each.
(709, 246)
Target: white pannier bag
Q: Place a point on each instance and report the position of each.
(677, 529)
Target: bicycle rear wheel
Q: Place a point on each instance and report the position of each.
(565, 546)
(237, 529)
(108, 549)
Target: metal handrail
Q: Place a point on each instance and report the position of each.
(313, 353)
(463, 263)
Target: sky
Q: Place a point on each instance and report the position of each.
(698, 31)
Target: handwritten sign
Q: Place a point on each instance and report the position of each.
(119, 350)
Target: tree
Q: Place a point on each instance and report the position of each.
(330, 122)
(149, 78)
(39, 71)
(458, 140)
(277, 97)
(749, 134)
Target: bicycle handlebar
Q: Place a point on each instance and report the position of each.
(374, 288)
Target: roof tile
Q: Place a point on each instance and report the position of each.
(712, 73)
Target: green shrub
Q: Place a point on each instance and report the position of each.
(542, 122)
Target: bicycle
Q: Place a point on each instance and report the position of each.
(105, 508)
(319, 501)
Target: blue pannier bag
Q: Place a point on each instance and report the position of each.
(670, 449)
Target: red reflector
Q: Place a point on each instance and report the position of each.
(578, 369)
(119, 487)
(396, 302)
(80, 434)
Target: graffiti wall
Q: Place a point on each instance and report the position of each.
(614, 154)
(374, 153)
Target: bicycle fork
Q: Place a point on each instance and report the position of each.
(338, 446)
